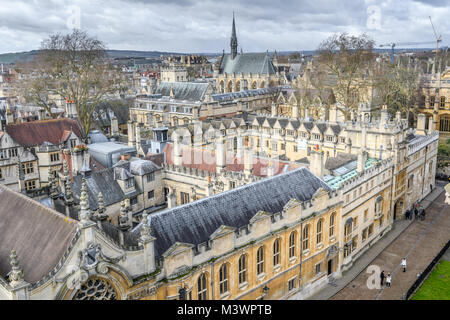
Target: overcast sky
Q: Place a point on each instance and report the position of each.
(205, 26)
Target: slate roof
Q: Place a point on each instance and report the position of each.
(191, 91)
(39, 234)
(35, 133)
(99, 181)
(246, 63)
(195, 222)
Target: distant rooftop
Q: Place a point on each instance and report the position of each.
(345, 172)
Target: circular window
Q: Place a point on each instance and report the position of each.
(96, 289)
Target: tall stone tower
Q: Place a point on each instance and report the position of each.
(233, 42)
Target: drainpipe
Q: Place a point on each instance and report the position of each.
(301, 254)
(392, 192)
(212, 281)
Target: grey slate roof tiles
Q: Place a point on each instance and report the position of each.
(194, 222)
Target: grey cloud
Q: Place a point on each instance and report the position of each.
(205, 26)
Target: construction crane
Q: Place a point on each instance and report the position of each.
(438, 39)
(392, 45)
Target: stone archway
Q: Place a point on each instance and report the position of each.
(254, 85)
(222, 86)
(262, 84)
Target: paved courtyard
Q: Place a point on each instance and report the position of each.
(419, 243)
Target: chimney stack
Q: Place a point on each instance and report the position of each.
(421, 120)
(316, 163)
(220, 154)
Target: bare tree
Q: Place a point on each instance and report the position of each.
(347, 60)
(73, 67)
(397, 86)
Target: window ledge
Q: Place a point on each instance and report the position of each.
(261, 276)
(225, 296)
(306, 252)
(277, 268)
(292, 259)
(320, 246)
(243, 286)
(332, 238)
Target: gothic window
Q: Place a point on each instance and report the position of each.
(442, 102)
(319, 231)
(260, 260)
(223, 278)
(378, 205)
(201, 287)
(306, 237)
(292, 244)
(276, 252)
(332, 221)
(96, 289)
(242, 269)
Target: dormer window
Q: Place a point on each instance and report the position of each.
(330, 138)
(316, 136)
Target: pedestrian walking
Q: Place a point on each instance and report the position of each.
(388, 280)
(407, 215)
(381, 278)
(404, 264)
(423, 214)
(416, 212)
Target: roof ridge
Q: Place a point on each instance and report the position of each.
(186, 205)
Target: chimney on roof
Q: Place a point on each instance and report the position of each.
(220, 154)
(421, 121)
(430, 125)
(316, 163)
(131, 134)
(114, 126)
(248, 162)
(361, 160)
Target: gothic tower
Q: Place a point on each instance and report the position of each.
(233, 42)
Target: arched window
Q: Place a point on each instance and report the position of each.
(201, 287)
(276, 252)
(410, 181)
(306, 237)
(242, 269)
(260, 260)
(223, 279)
(222, 87)
(319, 231)
(332, 222)
(230, 86)
(292, 244)
(378, 204)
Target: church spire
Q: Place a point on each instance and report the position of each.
(233, 42)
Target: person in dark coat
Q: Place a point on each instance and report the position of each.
(407, 215)
(416, 212)
(382, 277)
